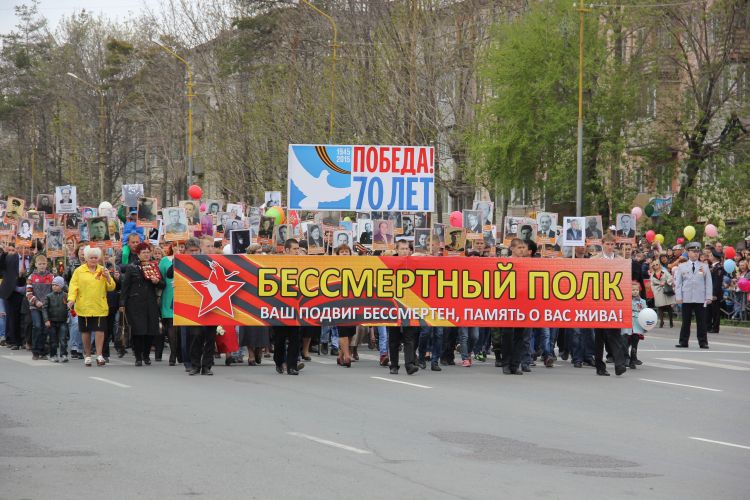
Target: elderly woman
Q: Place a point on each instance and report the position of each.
(87, 295)
(139, 302)
(661, 281)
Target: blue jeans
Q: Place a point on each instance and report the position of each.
(542, 339)
(3, 325)
(75, 343)
(329, 333)
(468, 337)
(185, 346)
(431, 339)
(382, 340)
(581, 342)
(58, 338)
(482, 344)
(39, 332)
(526, 349)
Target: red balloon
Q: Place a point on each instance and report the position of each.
(729, 252)
(680, 241)
(650, 235)
(195, 192)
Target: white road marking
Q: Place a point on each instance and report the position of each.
(107, 381)
(707, 363)
(681, 385)
(30, 362)
(729, 345)
(330, 443)
(736, 361)
(400, 382)
(665, 366)
(720, 442)
(693, 350)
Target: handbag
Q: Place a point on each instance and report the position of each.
(124, 330)
(668, 290)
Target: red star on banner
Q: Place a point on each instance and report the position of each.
(216, 292)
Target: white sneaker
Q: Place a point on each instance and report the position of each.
(64, 358)
(87, 361)
(54, 359)
(100, 361)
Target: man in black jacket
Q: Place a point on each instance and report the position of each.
(12, 298)
(717, 280)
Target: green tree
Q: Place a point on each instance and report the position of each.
(526, 135)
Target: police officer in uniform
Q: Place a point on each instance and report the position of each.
(694, 290)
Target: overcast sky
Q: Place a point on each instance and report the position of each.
(53, 10)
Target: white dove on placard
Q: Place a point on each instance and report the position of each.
(316, 190)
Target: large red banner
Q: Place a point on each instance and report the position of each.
(437, 291)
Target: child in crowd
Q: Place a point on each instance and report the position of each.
(38, 286)
(636, 333)
(56, 320)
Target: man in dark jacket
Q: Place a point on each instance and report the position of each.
(717, 280)
(12, 298)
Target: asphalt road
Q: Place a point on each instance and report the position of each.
(677, 427)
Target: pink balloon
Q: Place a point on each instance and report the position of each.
(711, 231)
(203, 207)
(636, 212)
(650, 234)
(680, 241)
(744, 285)
(456, 219)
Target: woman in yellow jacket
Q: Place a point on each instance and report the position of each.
(87, 296)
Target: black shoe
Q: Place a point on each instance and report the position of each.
(411, 369)
(681, 346)
(73, 353)
(157, 358)
(517, 372)
(451, 362)
(334, 351)
(423, 365)
(228, 361)
(279, 369)
(525, 368)
(324, 349)
(300, 366)
(610, 360)
(577, 364)
(507, 370)
(194, 371)
(435, 367)
(147, 361)
(207, 371)
(307, 358)
(121, 353)
(704, 346)
(171, 363)
(292, 371)
(138, 362)
(631, 365)
(564, 355)
(394, 370)
(638, 362)
(549, 362)
(619, 370)
(602, 373)
(589, 362)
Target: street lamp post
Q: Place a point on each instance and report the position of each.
(190, 96)
(102, 129)
(333, 62)
(579, 157)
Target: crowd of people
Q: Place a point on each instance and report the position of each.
(106, 296)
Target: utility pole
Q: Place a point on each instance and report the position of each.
(579, 157)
